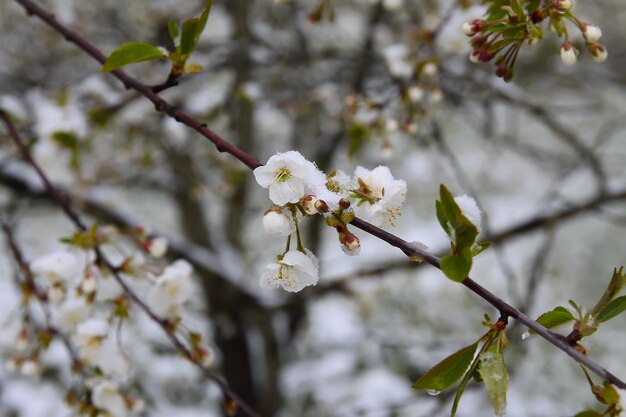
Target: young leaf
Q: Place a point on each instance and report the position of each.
(589, 413)
(618, 281)
(614, 308)
(130, 53)
(493, 371)
(457, 267)
(441, 216)
(172, 27)
(447, 372)
(554, 318)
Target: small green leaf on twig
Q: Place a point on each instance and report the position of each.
(554, 318)
(493, 372)
(447, 372)
(130, 53)
(613, 309)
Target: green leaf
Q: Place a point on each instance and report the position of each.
(457, 267)
(441, 216)
(450, 208)
(172, 27)
(130, 53)
(188, 37)
(357, 133)
(479, 247)
(493, 371)
(609, 394)
(589, 413)
(614, 308)
(447, 372)
(618, 281)
(65, 139)
(554, 318)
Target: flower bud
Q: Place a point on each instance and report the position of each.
(429, 69)
(351, 245)
(156, 247)
(592, 33)
(599, 53)
(565, 5)
(415, 93)
(344, 203)
(468, 29)
(321, 206)
(277, 223)
(568, 54)
(308, 204)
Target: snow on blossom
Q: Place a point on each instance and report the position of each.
(277, 221)
(57, 267)
(379, 197)
(89, 337)
(105, 396)
(398, 61)
(469, 208)
(72, 312)
(289, 176)
(172, 289)
(157, 247)
(294, 272)
(337, 186)
(96, 349)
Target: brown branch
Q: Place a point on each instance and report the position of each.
(103, 261)
(251, 162)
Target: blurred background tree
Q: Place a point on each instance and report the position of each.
(347, 83)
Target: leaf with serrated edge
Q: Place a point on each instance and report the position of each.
(495, 377)
(613, 309)
(553, 318)
(618, 281)
(130, 53)
(447, 372)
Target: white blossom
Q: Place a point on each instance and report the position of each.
(380, 196)
(416, 93)
(73, 311)
(157, 247)
(469, 208)
(30, 368)
(57, 267)
(289, 176)
(592, 33)
(172, 289)
(398, 61)
(568, 55)
(277, 222)
(393, 5)
(337, 186)
(89, 337)
(105, 396)
(294, 272)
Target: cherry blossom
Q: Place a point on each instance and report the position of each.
(172, 289)
(289, 176)
(293, 272)
(379, 196)
(105, 395)
(57, 267)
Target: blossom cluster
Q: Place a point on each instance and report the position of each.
(298, 188)
(500, 38)
(86, 308)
